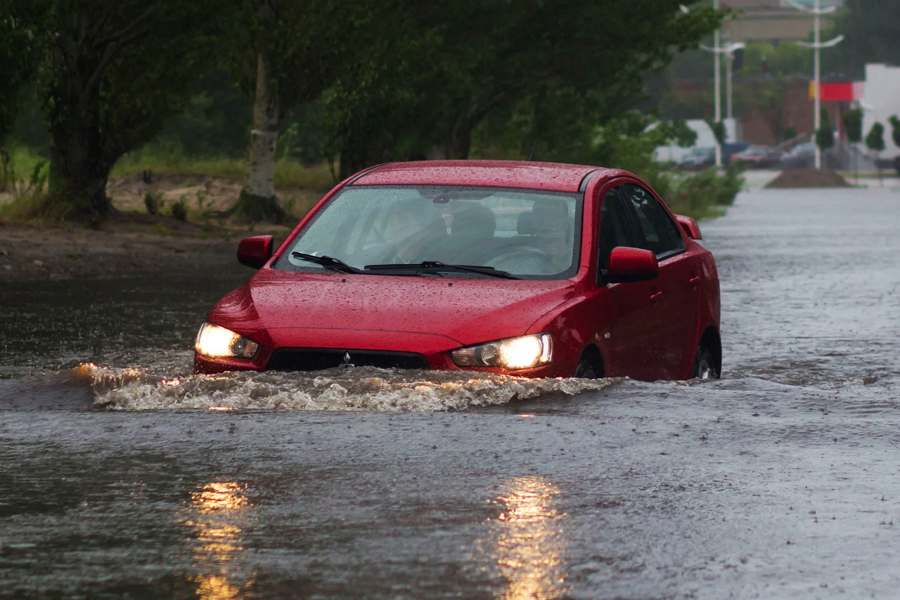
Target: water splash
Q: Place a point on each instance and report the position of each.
(350, 389)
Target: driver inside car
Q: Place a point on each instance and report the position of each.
(552, 233)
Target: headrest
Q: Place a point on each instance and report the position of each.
(525, 224)
(475, 221)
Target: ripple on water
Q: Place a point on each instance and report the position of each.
(358, 388)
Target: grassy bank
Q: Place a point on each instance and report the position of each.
(288, 173)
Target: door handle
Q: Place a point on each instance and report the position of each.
(694, 280)
(656, 296)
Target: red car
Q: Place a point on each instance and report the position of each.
(531, 269)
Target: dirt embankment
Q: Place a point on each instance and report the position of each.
(132, 242)
(29, 253)
(808, 178)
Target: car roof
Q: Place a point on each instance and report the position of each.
(559, 177)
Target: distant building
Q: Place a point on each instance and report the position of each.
(881, 100)
(771, 20)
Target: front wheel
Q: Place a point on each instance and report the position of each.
(587, 369)
(705, 365)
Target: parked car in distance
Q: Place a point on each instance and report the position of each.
(757, 157)
(801, 155)
(698, 158)
(729, 149)
(522, 268)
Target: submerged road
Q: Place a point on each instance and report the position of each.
(780, 481)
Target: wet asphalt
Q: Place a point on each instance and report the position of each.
(782, 480)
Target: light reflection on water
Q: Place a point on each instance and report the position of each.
(216, 510)
(529, 543)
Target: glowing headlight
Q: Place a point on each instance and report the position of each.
(514, 353)
(218, 342)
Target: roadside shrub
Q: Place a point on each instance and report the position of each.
(704, 194)
(179, 210)
(152, 203)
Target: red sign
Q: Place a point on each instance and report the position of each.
(842, 91)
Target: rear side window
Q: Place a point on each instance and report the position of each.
(657, 230)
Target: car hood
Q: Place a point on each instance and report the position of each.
(467, 311)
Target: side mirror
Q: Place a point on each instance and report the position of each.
(690, 227)
(631, 264)
(255, 251)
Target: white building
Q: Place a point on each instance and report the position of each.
(880, 100)
(705, 139)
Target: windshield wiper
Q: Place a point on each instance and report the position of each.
(329, 262)
(435, 266)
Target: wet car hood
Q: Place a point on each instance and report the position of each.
(465, 310)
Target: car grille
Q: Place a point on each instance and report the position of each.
(315, 359)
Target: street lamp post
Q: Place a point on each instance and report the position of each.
(718, 86)
(817, 45)
(718, 50)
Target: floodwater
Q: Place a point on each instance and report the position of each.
(122, 475)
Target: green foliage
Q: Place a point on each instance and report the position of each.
(426, 85)
(718, 130)
(288, 173)
(872, 35)
(256, 209)
(875, 138)
(853, 123)
(628, 142)
(705, 194)
(30, 201)
(109, 75)
(895, 129)
(179, 210)
(153, 203)
(776, 60)
(825, 134)
(18, 55)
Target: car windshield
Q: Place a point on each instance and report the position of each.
(525, 233)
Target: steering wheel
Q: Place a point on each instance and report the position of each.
(523, 259)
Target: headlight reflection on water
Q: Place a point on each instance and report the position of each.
(217, 509)
(530, 543)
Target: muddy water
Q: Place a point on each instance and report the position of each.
(129, 477)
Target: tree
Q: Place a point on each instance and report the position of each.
(17, 64)
(296, 50)
(875, 143)
(875, 138)
(444, 68)
(853, 123)
(895, 135)
(110, 73)
(853, 120)
(825, 133)
(895, 130)
(872, 34)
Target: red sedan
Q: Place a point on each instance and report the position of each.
(531, 269)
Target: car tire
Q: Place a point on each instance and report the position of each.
(705, 364)
(587, 369)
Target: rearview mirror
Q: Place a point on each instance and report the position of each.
(689, 226)
(631, 264)
(255, 251)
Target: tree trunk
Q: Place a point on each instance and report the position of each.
(460, 142)
(360, 148)
(258, 201)
(79, 168)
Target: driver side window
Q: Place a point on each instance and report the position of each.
(657, 231)
(613, 226)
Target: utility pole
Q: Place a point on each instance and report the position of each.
(817, 45)
(717, 84)
(718, 50)
(729, 51)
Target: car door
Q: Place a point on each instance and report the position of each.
(674, 294)
(627, 330)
